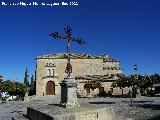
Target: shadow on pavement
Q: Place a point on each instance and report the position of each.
(151, 101)
(154, 118)
(137, 101)
(150, 106)
(156, 95)
(102, 102)
(54, 104)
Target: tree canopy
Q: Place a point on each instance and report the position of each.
(13, 88)
(140, 81)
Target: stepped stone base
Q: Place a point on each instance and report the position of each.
(84, 112)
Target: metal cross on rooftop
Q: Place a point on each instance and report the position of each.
(68, 37)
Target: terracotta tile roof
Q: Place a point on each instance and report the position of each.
(64, 55)
(75, 56)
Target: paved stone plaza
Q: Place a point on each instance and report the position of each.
(146, 108)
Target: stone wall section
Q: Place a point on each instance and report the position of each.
(86, 114)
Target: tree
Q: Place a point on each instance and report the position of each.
(21, 89)
(92, 85)
(132, 83)
(2, 87)
(135, 82)
(32, 90)
(13, 88)
(10, 87)
(155, 78)
(121, 82)
(26, 77)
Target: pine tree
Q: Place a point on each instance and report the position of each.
(32, 86)
(26, 76)
(32, 83)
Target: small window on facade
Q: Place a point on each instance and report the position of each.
(53, 72)
(49, 72)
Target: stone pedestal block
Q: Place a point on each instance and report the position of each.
(69, 93)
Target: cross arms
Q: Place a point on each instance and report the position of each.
(56, 35)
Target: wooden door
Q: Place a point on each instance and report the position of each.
(50, 88)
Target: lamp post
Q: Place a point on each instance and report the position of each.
(135, 68)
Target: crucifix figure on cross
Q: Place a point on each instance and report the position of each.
(68, 37)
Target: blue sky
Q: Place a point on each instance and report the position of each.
(128, 30)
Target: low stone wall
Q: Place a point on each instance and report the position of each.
(84, 114)
(118, 91)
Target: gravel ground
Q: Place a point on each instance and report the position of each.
(146, 108)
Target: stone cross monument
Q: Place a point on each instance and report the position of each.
(69, 84)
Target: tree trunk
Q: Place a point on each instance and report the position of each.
(122, 92)
(131, 96)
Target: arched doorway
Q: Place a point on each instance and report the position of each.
(50, 88)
